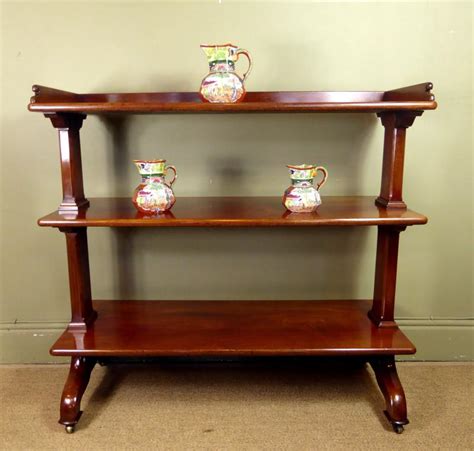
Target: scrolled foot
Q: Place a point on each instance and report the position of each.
(76, 383)
(392, 390)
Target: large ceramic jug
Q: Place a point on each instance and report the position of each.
(154, 194)
(302, 196)
(222, 84)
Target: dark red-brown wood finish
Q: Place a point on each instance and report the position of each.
(233, 328)
(395, 124)
(68, 126)
(76, 383)
(234, 212)
(382, 312)
(82, 312)
(413, 98)
(392, 390)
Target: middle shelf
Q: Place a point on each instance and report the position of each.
(234, 212)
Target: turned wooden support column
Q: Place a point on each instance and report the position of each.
(82, 313)
(68, 126)
(382, 312)
(395, 124)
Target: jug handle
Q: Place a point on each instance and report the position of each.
(175, 173)
(325, 176)
(247, 54)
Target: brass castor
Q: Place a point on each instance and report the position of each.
(70, 428)
(398, 428)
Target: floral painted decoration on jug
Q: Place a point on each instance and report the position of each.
(154, 195)
(222, 84)
(302, 196)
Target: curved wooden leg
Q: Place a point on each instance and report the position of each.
(392, 390)
(76, 383)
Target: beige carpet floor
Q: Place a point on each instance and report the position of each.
(237, 406)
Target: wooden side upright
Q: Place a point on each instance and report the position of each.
(382, 312)
(68, 126)
(82, 312)
(395, 124)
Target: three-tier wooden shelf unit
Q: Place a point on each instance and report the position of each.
(364, 328)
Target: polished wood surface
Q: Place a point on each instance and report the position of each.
(68, 126)
(232, 328)
(82, 312)
(392, 390)
(383, 307)
(234, 212)
(395, 125)
(50, 100)
(421, 91)
(76, 383)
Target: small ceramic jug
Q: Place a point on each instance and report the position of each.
(154, 195)
(222, 84)
(302, 196)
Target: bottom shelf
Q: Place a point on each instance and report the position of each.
(232, 328)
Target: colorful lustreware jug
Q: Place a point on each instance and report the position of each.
(302, 196)
(154, 195)
(222, 84)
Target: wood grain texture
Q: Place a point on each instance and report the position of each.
(237, 328)
(45, 94)
(389, 383)
(233, 328)
(421, 91)
(68, 126)
(391, 187)
(50, 100)
(74, 388)
(383, 307)
(234, 212)
(82, 312)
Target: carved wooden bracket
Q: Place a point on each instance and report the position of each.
(66, 121)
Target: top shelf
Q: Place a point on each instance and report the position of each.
(411, 98)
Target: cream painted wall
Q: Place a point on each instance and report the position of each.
(154, 46)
